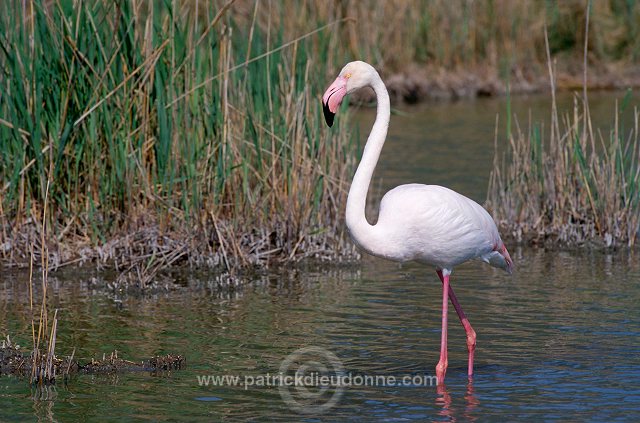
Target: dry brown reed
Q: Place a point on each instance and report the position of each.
(575, 187)
(573, 184)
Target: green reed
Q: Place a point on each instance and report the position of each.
(138, 115)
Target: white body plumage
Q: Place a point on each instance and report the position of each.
(432, 225)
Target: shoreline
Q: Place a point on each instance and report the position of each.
(142, 266)
(419, 83)
(142, 254)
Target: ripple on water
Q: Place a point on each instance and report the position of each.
(546, 349)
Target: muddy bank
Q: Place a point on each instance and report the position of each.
(428, 83)
(138, 260)
(18, 362)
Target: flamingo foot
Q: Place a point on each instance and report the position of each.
(471, 347)
(441, 370)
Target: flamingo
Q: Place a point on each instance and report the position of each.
(429, 224)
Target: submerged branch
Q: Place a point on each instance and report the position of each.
(13, 361)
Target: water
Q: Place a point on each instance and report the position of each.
(559, 340)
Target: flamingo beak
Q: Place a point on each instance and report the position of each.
(332, 98)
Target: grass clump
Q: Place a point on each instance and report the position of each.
(155, 137)
(579, 186)
(572, 185)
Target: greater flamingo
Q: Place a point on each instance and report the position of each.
(425, 223)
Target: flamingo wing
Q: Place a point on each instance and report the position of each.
(437, 226)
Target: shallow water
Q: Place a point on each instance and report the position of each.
(559, 340)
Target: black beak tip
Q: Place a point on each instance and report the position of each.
(328, 114)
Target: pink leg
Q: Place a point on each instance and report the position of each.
(441, 368)
(471, 334)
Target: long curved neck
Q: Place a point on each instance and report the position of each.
(361, 230)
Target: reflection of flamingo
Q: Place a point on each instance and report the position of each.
(426, 223)
(449, 413)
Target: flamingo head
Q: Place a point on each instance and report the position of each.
(353, 76)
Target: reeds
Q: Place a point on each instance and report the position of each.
(172, 131)
(573, 184)
(463, 33)
(164, 132)
(576, 186)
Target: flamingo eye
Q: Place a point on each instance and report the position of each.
(347, 75)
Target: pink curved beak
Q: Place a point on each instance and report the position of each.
(333, 97)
